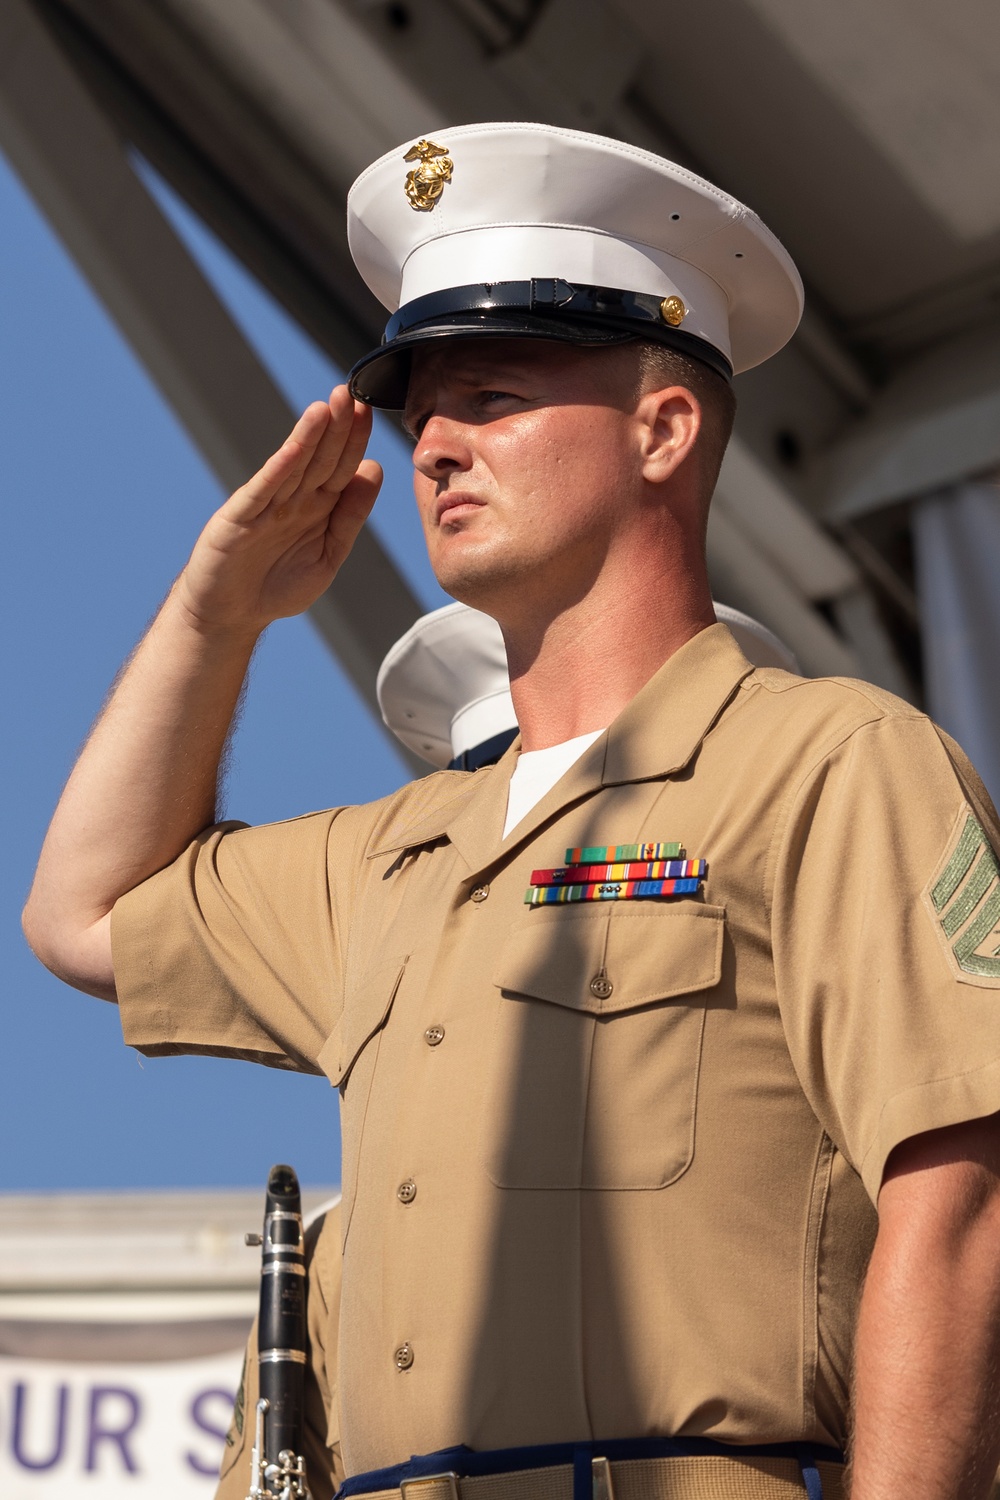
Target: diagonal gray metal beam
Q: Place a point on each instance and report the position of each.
(76, 168)
(191, 113)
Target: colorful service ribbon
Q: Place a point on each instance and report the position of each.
(648, 869)
(613, 854)
(618, 872)
(618, 890)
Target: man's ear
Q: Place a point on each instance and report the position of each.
(670, 423)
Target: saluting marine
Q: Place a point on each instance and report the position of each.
(666, 1046)
(444, 692)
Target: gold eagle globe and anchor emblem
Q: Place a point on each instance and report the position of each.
(425, 184)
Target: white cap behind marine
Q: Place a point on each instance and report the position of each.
(443, 687)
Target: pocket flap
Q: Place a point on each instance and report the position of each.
(646, 951)
(366, 1010)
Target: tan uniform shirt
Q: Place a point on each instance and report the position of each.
(569, 1213)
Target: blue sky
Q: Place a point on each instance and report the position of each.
(103, 495)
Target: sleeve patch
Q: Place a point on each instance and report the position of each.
(965, 897)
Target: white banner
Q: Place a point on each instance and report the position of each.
(131, 1430)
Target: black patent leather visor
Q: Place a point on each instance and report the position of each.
(541, 308)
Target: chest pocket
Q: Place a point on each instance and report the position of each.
(597, 1046)
(348, 1058)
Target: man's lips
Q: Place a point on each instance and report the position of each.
(450, 506)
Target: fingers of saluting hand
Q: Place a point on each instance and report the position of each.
(342, 446)
(351, 511)
(318, 459)
(282, 474)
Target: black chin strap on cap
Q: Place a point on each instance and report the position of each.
(544, 307)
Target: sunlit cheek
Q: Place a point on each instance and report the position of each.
(579, 457)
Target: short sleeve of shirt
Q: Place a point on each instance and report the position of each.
(886, 934)
(235, 949)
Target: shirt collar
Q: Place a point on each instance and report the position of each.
(662, 728)
(656, 735)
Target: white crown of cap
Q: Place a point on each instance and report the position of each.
(758, 644)
(528, 201)
(443, 687)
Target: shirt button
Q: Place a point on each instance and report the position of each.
(403, 1357)
(601, 986)
(480, 893)
(434, 1036)
(407, 1191)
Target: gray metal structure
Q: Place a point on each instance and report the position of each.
(866, 134)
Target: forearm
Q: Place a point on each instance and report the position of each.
(146, 781)
(927, 1395)
(143, 787)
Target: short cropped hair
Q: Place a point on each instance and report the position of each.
(660, 366)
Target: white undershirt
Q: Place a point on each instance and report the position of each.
(539, 770)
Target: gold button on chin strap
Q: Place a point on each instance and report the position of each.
(672, 311)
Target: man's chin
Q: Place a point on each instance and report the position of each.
(482, 580)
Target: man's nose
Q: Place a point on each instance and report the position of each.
(442, 448)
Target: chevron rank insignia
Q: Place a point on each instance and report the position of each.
(966, 901)
(617, 872)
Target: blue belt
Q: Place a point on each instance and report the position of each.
(464, 1462)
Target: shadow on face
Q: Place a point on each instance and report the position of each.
(547, 371)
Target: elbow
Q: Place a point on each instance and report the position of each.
(34, 929)
(80, 957)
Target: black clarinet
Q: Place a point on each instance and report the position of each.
(277, 1466)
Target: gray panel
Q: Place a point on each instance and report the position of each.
(108, 1342)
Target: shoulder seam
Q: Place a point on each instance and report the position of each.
(895, 707)
(875, 721)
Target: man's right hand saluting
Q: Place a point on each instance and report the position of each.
(146, 781)
(278, 542)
